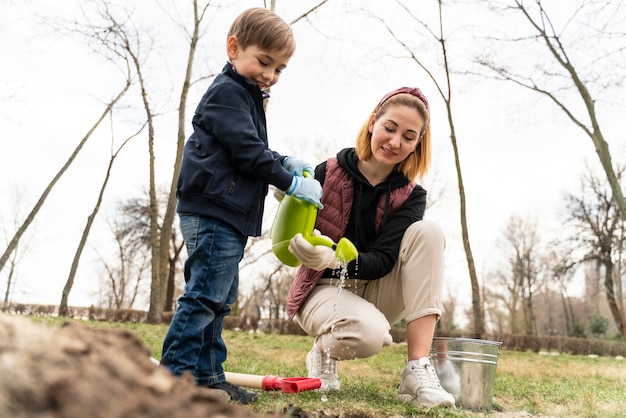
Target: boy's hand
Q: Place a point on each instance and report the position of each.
(297, 167)
(306, 189)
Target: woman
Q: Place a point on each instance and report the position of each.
(369, 197)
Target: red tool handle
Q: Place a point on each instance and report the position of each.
(270, 382)
(291, 384)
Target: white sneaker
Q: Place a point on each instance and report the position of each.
(449, 378)
(324, 368)
(421, 386)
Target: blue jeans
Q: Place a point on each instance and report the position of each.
(194, 339)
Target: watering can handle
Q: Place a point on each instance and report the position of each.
(344, 249)
(315, 240)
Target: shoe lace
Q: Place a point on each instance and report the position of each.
(427, 375)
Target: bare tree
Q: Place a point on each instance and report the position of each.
(139, 209)
(509, 299)
(444, 87)
(269, 297)
(31, 216)
(116, 31)
(521, 276)
(124, 276)
(560, 78)
(63, 306)
(499, 314)
(601, 233)
(525, 265)
(560, 267)
(304, 15)
(136, 211)
(446, 326)
(166, 269)
(18, 253)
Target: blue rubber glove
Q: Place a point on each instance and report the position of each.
(306, 189)
(297, 167)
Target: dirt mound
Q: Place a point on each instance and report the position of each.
(77, 371)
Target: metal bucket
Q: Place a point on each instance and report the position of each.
(467, 369)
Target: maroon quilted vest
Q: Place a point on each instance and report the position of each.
(337, 197)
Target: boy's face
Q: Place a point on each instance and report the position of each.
(257, 65)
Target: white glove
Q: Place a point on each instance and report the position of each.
(316, 257)
(278, 194)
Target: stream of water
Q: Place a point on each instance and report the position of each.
(340, 285)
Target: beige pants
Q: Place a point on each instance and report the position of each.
(354, 322)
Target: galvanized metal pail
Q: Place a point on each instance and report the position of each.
(467, 369)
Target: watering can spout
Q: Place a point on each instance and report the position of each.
(346, 251)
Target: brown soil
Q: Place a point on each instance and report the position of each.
(77, 372)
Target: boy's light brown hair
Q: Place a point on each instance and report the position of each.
(263, 28)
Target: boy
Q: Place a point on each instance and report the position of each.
(226, 168)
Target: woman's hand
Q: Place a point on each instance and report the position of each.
(279, 194)
(316, 257)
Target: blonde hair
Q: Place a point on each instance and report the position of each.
(263, 28)
(415, 164)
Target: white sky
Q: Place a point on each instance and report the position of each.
(518, 153)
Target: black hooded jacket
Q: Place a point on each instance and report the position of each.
(378, 251)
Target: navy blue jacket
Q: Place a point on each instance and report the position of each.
(227, 163)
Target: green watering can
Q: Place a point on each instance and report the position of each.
(297, 216)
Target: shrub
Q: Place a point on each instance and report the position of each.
(569, 345)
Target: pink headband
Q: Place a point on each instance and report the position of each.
(411, 90)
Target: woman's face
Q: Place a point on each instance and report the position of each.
(395, 134)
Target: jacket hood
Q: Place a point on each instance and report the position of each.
(347, 160)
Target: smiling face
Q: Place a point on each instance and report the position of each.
(258, 65)
(395, 134)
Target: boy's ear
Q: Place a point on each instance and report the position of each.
(232, 47)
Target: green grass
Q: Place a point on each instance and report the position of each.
(555, 386)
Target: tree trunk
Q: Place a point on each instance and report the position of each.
(166, 279)
(63, 306)
(609, 287)
(171, 280)
(477, 312)
(446, 94)
(154, 311)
